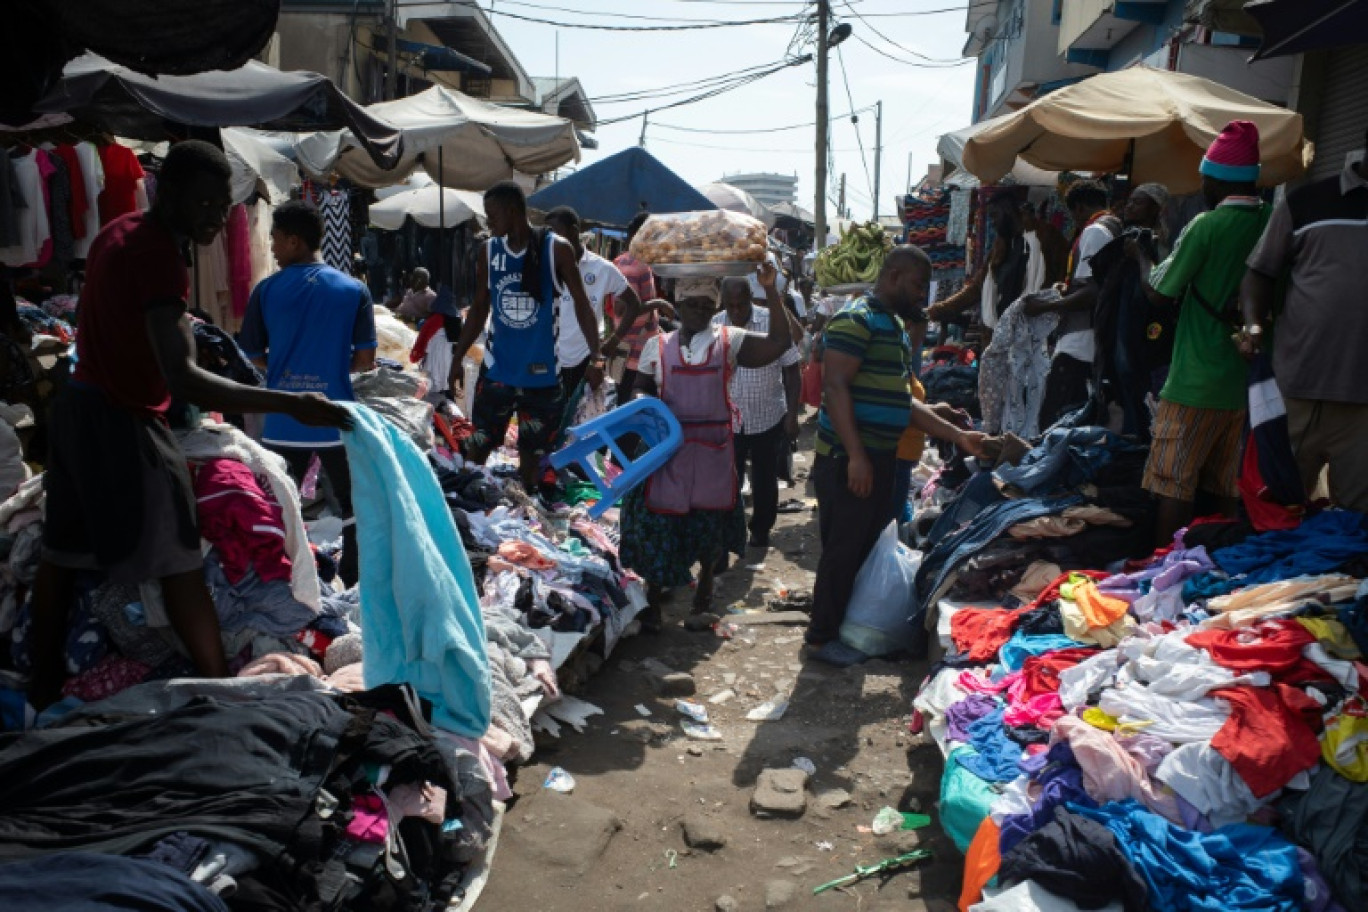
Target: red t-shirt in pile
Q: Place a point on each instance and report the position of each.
(133, 262)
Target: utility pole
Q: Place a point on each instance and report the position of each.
(840, 200)
(878, 154)
(392, 69)
(642, 142)
(909, 172)
(823, 126)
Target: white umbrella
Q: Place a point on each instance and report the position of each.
(734, 199)
(481, 143)
(422, 206)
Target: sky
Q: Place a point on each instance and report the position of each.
(919, 103)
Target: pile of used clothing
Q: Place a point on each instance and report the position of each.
(497, 591)
(250, 793)
(1188, 730)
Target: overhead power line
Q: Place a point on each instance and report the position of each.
(727, 87)
(678, 26)
(756, 130)
(680, 88)
(906, 50)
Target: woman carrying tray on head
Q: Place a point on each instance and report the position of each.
(690, 511)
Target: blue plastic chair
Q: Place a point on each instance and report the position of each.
(646, 417)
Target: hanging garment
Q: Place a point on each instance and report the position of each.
(79, 204)
(1012, 372)
(122, 172)
(259, 241)
(238, 247)
(213, 294)
(337, 235)
(92, 174)
(35, 231)
(59, 193)
(420, 612)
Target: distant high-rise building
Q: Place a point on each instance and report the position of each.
(770, 189)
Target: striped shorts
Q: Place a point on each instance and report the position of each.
(1194, 448)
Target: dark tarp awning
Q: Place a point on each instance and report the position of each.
(114, 98)
(1298, 26)
(1221, 16)
(149, 36)
(435, 58)
(615, 189)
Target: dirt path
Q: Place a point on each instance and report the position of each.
(617, 842)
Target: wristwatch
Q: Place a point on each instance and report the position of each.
(1253, 329)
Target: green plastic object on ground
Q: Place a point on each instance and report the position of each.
(887, 866)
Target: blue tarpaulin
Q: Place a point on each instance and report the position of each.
(614, 190)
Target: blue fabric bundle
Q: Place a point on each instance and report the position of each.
(1237, 868)
(1321, 544)
(420, 613)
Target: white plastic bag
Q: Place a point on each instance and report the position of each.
(885, 589)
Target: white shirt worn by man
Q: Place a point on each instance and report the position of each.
(601, 279)
(1082, 344)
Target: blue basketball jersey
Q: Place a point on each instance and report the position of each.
(521, 347)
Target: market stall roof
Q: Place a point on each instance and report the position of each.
(421, 204)
(1296, 26)
(734, 199)
(169, 37)
(951, 149)
(114, 98)
(257, 167)
(615, 189)
(793, 213)
(1155, 123)
(481, 143)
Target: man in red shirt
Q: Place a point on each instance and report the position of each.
(119, 495)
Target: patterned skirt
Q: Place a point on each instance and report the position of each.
(663, 548)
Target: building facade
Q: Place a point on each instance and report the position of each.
(769, 189)
(1027, 48)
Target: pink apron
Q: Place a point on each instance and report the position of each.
(702, 474)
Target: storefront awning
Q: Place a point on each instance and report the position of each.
(1298, 26)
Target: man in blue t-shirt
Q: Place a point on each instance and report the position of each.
(310, 327)
(521, 274)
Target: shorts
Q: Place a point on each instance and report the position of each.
(538, 410)
(119, 494)
(1195, 448)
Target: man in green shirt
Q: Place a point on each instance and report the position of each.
(1201, 416)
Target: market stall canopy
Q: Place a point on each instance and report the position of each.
(421, 204)
(168, 37)
(793, 213)
(614, 190)
(481, 143)
(734, 199)
(115, 98)
(951, 149)
(1154, 122)
(1298, 26)
(258, 168)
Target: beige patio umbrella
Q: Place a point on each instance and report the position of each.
(1153, 123)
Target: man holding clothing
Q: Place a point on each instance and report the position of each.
(866, 406)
